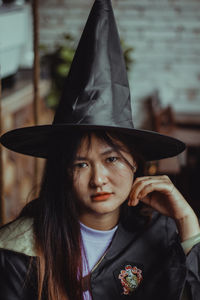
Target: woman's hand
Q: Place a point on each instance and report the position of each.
(160, 193)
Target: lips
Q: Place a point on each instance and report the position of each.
(101, 196)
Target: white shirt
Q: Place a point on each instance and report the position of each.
(95, 243)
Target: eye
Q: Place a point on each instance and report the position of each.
(80, 165)
(111, 159)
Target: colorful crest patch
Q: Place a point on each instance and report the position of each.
(130, 278)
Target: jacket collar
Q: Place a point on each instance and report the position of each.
(122, 238)
(18, 236)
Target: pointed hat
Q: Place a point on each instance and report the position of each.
(96, 96)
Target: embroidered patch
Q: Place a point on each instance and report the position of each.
(130, 279)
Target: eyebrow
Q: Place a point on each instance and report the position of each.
(109, 151)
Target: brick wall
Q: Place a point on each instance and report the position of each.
(165, 35)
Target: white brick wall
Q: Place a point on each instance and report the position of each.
(165, 35)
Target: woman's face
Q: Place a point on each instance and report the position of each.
(102, 179)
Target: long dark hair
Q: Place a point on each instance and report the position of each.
(56, 220)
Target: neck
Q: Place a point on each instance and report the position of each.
(100, 222)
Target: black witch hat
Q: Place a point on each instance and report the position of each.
(96, 96)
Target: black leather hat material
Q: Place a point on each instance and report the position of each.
(96, 96)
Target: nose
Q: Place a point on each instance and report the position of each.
(99, 176)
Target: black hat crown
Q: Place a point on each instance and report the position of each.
(97, 90)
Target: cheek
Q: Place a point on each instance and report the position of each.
(126, 185)
(124, 173)
(124, 180)
(80, 183)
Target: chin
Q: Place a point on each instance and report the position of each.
(105, 207)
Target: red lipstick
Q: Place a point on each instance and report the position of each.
(101, 196)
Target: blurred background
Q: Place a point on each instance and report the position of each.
(161, 44)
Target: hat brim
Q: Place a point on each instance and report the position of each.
(37, 140)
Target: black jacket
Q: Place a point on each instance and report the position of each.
(142, 263)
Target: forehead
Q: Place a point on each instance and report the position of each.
(93, 143)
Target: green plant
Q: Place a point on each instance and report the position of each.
(58, 64)
(127, 50)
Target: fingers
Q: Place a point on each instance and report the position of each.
(143, 186)
(160, 193)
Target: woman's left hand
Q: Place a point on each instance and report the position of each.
(160, 193)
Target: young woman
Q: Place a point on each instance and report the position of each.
(89, 235)
(99, 229)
